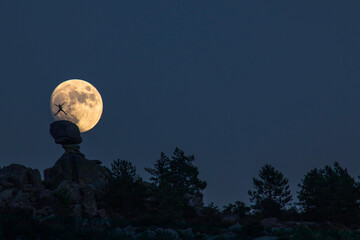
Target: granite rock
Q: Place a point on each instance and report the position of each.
(18, 175)
(77, 169)
(65, 132)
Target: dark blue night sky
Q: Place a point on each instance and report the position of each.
(236, 83)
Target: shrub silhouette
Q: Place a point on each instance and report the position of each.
(238, 209)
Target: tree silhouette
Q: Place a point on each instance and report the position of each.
(173, 181)
(271, 193)
(330, 194)
(125, 191)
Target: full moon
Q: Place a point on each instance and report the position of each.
(77, 101)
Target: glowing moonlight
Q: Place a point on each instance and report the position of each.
(82, 103)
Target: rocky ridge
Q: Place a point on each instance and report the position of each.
(74, 181)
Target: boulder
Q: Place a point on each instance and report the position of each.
(23, 200)
(65, 132)
(6, 184)
(88, 201)
(28, 188)
(23, 203)
(75, 168)
(19, 175)
(82, 198)
(24, 197)
(73, 189)
(44, 194)
(8, 194)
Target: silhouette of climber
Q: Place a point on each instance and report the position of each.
(60, 109)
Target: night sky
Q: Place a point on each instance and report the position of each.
(236, 83)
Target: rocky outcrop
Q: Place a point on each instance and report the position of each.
(16, 175)
(21, 187)
(73, 166)
(82, 181)
(81, 197)
(77, 169)
(73, 185)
